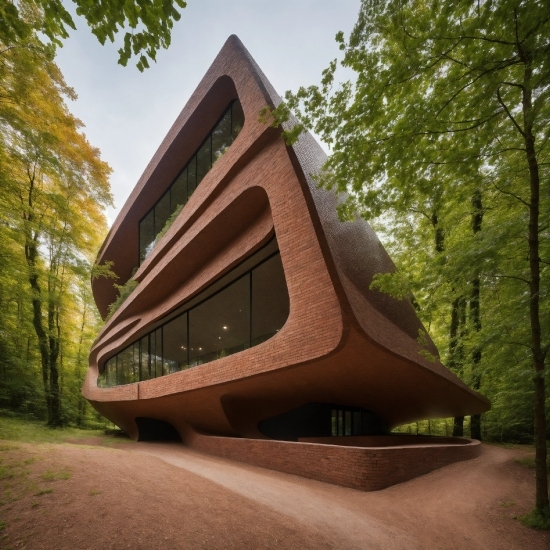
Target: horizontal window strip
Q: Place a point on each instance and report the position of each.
(244, 313)
(159, 218)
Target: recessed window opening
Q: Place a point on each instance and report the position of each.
(249, 309)
(350, 421)
(162, 214)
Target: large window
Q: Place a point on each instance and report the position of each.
(243, 309)
(177, 195)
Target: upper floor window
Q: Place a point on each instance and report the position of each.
(174, 199)
(242, 309)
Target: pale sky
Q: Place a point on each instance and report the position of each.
(128, 113)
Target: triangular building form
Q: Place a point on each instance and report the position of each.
(252, 332)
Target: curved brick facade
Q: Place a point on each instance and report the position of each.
(342, 343)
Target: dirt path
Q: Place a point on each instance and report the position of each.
(166, 496)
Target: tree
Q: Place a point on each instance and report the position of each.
(54, 189)
(150, 23)
(450, 107)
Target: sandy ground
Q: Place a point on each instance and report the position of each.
(149, 496)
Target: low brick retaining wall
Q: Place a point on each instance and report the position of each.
(364, 468)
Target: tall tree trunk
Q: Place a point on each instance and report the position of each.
(31, 252)
(541, 474)
(456, 350)
(48, 343)
(53, 349)
(475, 312)
(457, 319)
(81, 401)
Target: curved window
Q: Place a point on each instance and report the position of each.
(244, 308)
(183, 186)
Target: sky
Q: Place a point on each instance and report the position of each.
(127, 113)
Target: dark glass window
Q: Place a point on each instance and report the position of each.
(334, 422)
(221, 137)
(174, 350)
(270, 303)
(112, 374)
(146, 235)
(162, 212)
(216, 143)
(220, 326)
(353, 421)
(156, 352)
(348, 423)
(204, 159)
(192, 177)
(125, 366)
(145, 367)
(237, 116)
(178, 196)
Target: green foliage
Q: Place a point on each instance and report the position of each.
(148, 23)
(441, 141)
(537, 519)
(53, 192)
(123, 292)
(168, 223)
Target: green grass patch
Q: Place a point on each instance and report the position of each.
(6, 472)
(537, 519)
(50, 475)
(508, 504)
(2, 525)
(43, 492)
(504, 445)
(529, 462)
(32, 431)
(7, 447)
(93, 493)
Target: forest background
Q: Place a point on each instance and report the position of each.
(456, 228)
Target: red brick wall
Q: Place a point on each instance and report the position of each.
(364, 468)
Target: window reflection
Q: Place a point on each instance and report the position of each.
(220, 326)
(353, 421)
(244, 313)
(175, 344)
(214, 146)
(270, 304)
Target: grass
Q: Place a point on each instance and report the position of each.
(529, 462)
(31, 431)
(51, 475)
(537, 519)
(43, 492)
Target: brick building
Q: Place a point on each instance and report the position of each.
(252, 332)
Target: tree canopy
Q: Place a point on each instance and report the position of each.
(149, 22)
(440, 140)
(53, 191)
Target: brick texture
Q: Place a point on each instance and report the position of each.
(363, 468)
(342, 343)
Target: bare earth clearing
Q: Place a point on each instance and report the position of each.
(148, 496)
